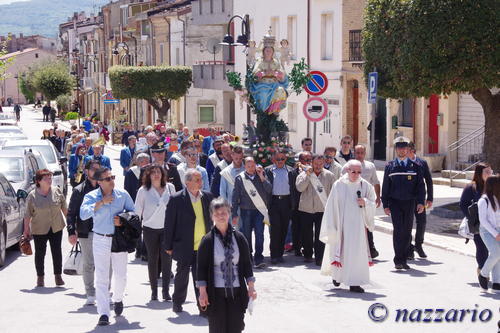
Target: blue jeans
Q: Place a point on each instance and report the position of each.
(253, 219)
(492, 264)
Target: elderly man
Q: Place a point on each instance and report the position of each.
(227, 159)
(127, 153)
(180, 156)
(98, 156)
(103, 205)
(187, 220)
(191, 163)
(369, 173)
(280, 176)
(251, 192)
(315, 184)
(349, 211)
(228, 174)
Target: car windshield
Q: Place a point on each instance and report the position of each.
(11, 130)
(46, 151)
(12, 168)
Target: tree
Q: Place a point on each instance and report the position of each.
(5, 62)
(155, 84)
(53, 80)
(425, 47)
(26, 86)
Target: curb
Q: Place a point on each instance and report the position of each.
(388, 229)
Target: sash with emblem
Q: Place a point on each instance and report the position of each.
(319, 188)
(255, 196)
(226, 173)
(214, 159)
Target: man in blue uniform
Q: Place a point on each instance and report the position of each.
(402, 190)
(421, 219)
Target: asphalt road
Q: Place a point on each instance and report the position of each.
(292, 297)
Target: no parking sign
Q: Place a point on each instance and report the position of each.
(318, 83)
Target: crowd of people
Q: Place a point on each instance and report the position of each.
(204, 202)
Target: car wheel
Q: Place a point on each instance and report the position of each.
(3, 244)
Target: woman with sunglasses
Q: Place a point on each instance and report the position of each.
(151, 204)
(45, 207)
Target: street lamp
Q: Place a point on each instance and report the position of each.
(17, 78)
(242, 40)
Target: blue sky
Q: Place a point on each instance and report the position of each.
(6, 2)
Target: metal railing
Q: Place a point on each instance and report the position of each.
(465, 153)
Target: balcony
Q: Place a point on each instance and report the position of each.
(211, 75)
(211, 12)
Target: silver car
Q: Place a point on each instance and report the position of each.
(55, 163)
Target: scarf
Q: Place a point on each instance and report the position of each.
(227, 265)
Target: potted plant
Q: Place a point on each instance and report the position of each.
(71, 117)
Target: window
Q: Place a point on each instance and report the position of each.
(206, 114)
(162, 52)
(327, 123)
(124, 12)
(223, 5)
(327, 36)
(355, 45)
(211, 6)
(405, 113)
(292, 117)
(36, 55)
(275, 27)
(177, 56)
(200, 7)
(292, 35)
(145, 29)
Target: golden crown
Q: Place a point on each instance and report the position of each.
(269, 40)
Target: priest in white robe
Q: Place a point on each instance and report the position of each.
(348, 213)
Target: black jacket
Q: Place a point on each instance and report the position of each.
(215, 184)
(427, 177)
(132, 183)
(293, 190)
(205, 267)
(74, 223)
(179, 224)
(126, 236)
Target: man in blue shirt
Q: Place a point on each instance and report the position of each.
(127, 153)
(98, 156)
(208, 142)
(103, 205)
(87, 125)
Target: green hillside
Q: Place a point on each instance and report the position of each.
(42, 17)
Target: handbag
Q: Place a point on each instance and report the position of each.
(73, 264)
(473, 221)
(25, 246)
(463, 230)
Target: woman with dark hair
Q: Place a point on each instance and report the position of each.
(223, 273)
(45, 207)
(45, 134)
(150, 204)
(471, 194)
(489, 229)
(76, 165)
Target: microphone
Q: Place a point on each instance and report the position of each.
(359, 197)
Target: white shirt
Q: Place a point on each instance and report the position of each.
(150, 206)
(488, 218)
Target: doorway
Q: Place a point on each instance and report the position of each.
(433, 124)
(380, 130)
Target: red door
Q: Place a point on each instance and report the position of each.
(355, 112)
(433, 124)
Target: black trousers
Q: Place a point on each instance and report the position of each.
(225, 315)
(296, 232)
(421, 221)
(153, 239)
(45, 117)
(369, 235)
(41, 248)
(181, 280)
(279, 214)
(310, 238)
(402, 221)
(481, 251)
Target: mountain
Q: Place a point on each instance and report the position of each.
(42, 17)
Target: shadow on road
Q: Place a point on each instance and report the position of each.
(90, 309)
(82, 296)
(184, 318)
(10, 256)
(425, 262)
(412, 272)
(121, 324)
(43, 290)
(155, 305)
(366, 296)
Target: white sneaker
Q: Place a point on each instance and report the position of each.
(90, 300)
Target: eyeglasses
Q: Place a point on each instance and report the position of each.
(346, 142)
(307, 159)
(328, 157)
(280, 159)
(355, 172)
(108, 179)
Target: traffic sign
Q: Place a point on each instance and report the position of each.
(109, 99)
(315, 109)
(318, 83)
(372, 87)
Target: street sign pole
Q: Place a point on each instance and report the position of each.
(372, 87)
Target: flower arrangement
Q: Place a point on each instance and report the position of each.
(263, 153)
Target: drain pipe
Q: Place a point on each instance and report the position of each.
(184, 61)
(309, 54)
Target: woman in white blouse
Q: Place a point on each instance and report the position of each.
(150, 204)
(489, 229)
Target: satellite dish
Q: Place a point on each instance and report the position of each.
(213, 46)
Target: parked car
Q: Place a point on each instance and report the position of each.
(19, 167)
(12, 208)
(10, 133)
(55, 162)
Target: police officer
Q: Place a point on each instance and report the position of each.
(421, 219)
(402, 190)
